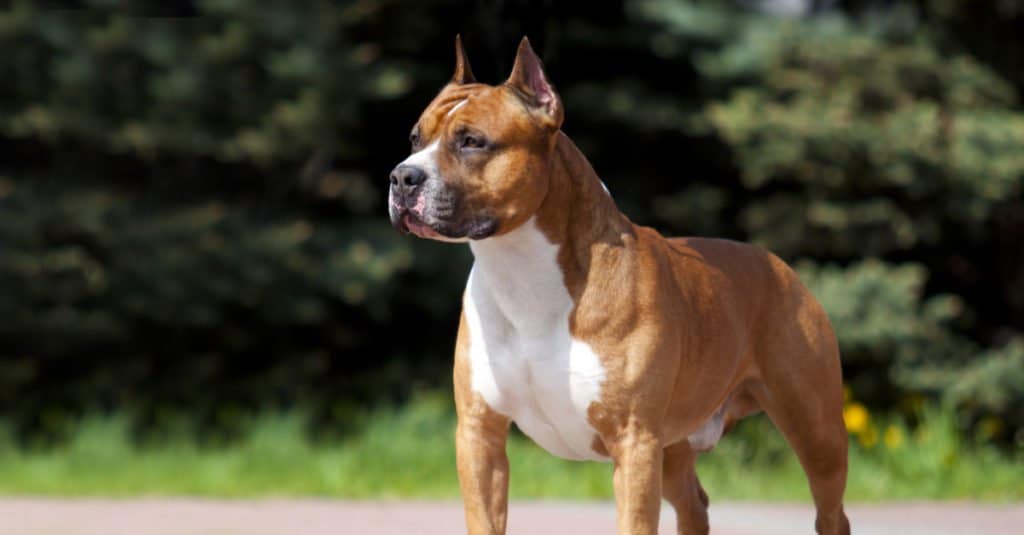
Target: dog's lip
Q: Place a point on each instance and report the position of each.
(413, 224)
(398, 219)
(406, 221)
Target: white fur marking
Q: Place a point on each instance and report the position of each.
(425, 159)
(524, 361)
(455, 107)
(709, 433)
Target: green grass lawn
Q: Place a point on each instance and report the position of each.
(409, 452)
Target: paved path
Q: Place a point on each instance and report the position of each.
(29, 516)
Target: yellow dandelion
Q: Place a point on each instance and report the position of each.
(893, 437)
(869, 437)
(856, 417)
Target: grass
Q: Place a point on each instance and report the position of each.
(408, 453)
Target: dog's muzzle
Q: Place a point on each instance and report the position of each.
(407, 202)
(427, 208)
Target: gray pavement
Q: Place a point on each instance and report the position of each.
(186, 516)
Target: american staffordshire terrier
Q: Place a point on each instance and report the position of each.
(603, 340)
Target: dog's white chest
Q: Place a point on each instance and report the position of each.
(523, 359)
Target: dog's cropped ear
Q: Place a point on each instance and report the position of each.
(529, 80)
(463, 74)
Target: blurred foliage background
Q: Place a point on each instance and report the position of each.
(192, 193)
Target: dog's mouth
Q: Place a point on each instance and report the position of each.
(424, 222)
(407, 222)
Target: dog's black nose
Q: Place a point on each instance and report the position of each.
(407, 177)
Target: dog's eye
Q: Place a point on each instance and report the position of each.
(414, 139)
(473, 142)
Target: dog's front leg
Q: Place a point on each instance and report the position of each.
(637, 481)
(483, 468)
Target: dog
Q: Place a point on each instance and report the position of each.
(603, 340)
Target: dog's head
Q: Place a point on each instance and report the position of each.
(480, 154)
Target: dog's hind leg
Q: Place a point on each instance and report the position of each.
(821, 447)
(681, 488)
(801, 392)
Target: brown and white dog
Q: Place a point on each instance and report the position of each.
(600, 339)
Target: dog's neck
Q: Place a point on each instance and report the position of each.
(551, 253)
(578, 211)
